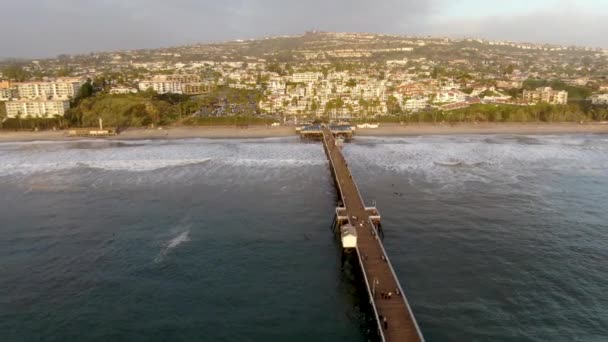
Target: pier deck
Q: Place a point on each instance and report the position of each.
(380, 277)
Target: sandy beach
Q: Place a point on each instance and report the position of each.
(217, 132)
(229, 132)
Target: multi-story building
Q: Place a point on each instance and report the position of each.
(161, 87)
(5, 84)
(63, 88)
(599, 99)
(182, 78)
(176, 84)
(546, 95)
(196, 88)
(41, 108)
(306, 77)
(414, 89)
(450, 96)
(7, 94)
(416, 103)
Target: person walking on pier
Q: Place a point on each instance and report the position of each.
(385, 323)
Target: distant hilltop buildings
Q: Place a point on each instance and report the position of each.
(320, 74)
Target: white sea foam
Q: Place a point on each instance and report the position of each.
(149, 156)
(172, 244)
(455, 160)
(438, 159)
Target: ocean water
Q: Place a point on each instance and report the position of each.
(501, 238)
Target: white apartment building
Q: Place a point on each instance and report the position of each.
(176, 84)
(36, 108)
(305, 77)
(276, 86)
(547, 95)
(65, 88)
(123, 90)
(450, 96)
(599, 99)
(416, 103)
(161, 87)
(6, 94)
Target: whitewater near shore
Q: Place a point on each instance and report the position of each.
(228, 132)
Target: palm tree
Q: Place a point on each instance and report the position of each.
(59, 119)
(19, 119)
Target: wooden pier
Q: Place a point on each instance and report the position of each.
(393, 314)
(316, 131)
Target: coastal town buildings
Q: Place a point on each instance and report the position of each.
(161, 87)
(64, 88)
(121, 90)
(510, 84)
(40, 108)
(546, 95)
(601, 99)
(450, 96)
(305, 77)
(175, 84)
(7, 94)
(416, 103)
(328, 75)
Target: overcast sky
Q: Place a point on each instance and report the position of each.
(43, 28)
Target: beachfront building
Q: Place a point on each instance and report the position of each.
(450, 96)
(599, 99)
(416, 103)
(546, 95)
(62, 88)
(41, 108)
(7, 94)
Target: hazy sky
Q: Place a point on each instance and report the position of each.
(40, 28)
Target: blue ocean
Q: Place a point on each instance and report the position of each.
(493, 237)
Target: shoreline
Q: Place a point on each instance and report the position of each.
(385, 130)
(484, 128)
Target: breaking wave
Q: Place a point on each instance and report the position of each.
(443, 160)
(498, 159)
(144, 156)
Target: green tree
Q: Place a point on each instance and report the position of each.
(393, 104)
(86, 90)
(16, 72)
(435, 73)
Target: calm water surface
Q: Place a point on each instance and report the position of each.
(501, 238)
